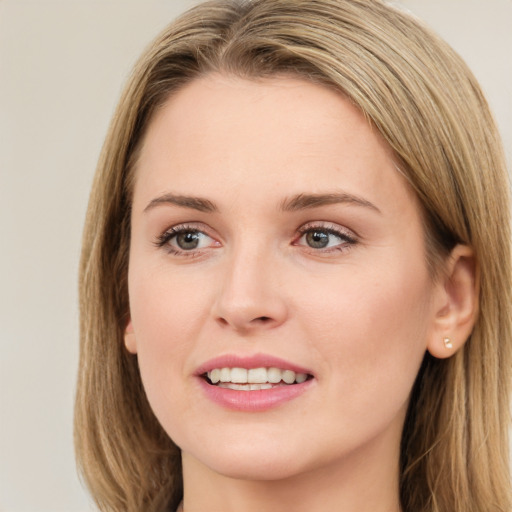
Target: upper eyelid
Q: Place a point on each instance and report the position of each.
(329, 226)
(169, 232)
(200, 227)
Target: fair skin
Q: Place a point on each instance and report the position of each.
(335, 284)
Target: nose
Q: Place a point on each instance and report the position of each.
(250, 297)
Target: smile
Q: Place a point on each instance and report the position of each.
(253, 383)
(254, 379)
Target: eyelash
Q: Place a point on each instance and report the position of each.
(163, 240)
(348, 239)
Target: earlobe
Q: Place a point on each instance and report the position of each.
(129, 339)
(455, 303)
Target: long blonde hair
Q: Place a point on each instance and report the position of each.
(426, 103)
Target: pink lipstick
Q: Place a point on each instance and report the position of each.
(254, 383)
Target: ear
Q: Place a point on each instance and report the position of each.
(455, 303)
(129, 338)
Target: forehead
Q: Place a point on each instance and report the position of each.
(220, 136)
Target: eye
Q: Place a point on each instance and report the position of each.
(183, 239)
(318, 239)
(325, 238)
(189, 240)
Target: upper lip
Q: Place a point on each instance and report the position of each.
(248, 362)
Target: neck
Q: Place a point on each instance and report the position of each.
(364, 481)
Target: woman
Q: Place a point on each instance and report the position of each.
(295, 279)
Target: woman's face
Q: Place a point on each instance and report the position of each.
(271, 229)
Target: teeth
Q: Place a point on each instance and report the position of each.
(289, 376)
(225, 375)
(274, 375)
(257, 375)
(238, 375)
(214, 375)
(253, 379)
(300, 378)
(245, 387)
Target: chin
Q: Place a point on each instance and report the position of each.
(248, 459)
(276, 467)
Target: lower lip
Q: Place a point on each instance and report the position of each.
(256, 400)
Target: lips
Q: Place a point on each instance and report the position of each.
(252, 383)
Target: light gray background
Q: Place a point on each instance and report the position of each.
(62, 66)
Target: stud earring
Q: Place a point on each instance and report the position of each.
(448, 343)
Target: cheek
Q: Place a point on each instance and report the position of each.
(165, 307)
(167, 316)
(370, 330)
(371, 308)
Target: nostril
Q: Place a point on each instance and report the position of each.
(263, 319)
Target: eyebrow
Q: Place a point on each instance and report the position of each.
(194, 203)
(295, 203)
(306, 201)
